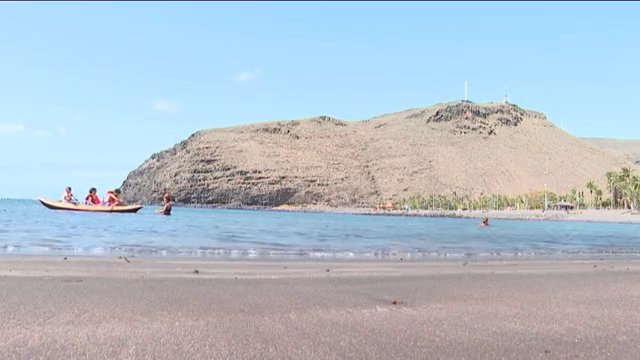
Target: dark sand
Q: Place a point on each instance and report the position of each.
(52, 308)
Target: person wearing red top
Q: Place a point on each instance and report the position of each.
(113, 198)
(92, 198)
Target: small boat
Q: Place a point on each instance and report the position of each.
(58, 205)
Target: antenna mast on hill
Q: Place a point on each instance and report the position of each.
(506, 95)
(465, 90)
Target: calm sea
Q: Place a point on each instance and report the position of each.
(26, 227)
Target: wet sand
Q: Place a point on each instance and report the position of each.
(159, 309)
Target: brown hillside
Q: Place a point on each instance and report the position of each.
(463, 147)
(629, 148)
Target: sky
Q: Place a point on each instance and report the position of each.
(89, 91)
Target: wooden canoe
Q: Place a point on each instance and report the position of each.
(58, 205)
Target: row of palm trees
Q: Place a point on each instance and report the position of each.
(530, 201)
(624, 189)
(624, 186)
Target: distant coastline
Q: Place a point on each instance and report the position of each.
(586, 215)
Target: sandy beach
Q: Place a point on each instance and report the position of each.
(586, 215)
(106, 308)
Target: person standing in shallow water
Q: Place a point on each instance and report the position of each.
(166, 209)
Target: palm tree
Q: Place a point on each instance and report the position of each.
(626, 173)
(625, 177)
(591, 186)
(598, 193)
(612, 178)
(634, 189)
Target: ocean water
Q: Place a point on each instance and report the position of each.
(27, 227)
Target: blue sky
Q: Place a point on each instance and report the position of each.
(88, 91)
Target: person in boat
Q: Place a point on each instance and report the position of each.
(68, 198)
(485, 222)
(113, 198)
(166, 209)
(92, 198)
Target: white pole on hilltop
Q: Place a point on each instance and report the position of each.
(465, 91)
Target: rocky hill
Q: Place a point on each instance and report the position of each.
(457, 147)
(628, 148)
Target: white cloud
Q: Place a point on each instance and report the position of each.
(11, 129)
(41, 133)
(166, 106)
(247, 76)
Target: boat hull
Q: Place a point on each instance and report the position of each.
(57, 205)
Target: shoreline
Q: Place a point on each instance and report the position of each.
(61, 262)
(110, 308)
(588, 215)
(394, 257)
(55, 266)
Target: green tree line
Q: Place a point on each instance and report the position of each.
(622, 193)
